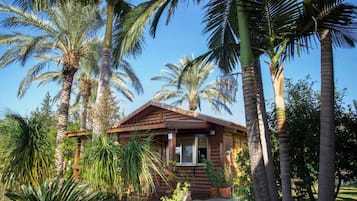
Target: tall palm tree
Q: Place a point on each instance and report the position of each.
(64, 37)
(251, 107)
(193, 86)
(335, 25)
(274, 42)
(25, 151)
(115, 10)
(271, 38)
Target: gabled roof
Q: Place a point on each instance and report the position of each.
(174, 118)
(193, 117)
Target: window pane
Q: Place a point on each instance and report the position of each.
(187, 150)
(202, 150)
(178, 154)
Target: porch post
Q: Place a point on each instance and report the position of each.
(172, 145)
(77, 156)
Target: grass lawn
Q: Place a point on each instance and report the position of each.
(347, 193)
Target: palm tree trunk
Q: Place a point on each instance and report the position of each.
(264, 133)
(105, 72)
(278, 87)
(261, 191)
(327, 121)
(68, 74)
(85, 91)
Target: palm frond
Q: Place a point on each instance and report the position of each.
(191, 75)
(131, 76)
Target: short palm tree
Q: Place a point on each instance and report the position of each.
(63, 38)
(193, 86)
(25, 151)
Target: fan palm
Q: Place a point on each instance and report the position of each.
(63, 37)
(338, 27)
(26, 151)
(193, 87)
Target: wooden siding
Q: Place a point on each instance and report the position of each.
(233, 143)
(156, 115)
(215, 150)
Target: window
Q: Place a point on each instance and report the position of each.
(191, 150)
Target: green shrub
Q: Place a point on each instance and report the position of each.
(180, 193)
(58, 190)
(244, 190)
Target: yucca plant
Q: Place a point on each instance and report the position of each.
(139, 162)
(101, 165)
(68, 190)
(26, 150)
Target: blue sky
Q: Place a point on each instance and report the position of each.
(184, 37)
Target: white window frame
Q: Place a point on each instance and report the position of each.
(194, 152)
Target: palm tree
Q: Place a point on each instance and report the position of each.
(278, 41)
(251, 106)
(25, 150)
(64, 37)
(269, 38)
(88, 83)
(335, 26)
(115, 11)
(193, 87)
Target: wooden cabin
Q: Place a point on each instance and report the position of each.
(185, 137)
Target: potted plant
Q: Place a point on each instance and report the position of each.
(225, 189)
(216, 178)
(220, 180)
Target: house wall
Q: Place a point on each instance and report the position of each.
(218, 144)
(233, 143)
(157, 115)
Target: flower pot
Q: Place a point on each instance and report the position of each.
(225, 192)
(214, 191)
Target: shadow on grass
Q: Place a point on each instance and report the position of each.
(347, 193)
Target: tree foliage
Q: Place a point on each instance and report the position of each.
(303, 110)
(192, 85)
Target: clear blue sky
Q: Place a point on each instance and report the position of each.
(184, 37)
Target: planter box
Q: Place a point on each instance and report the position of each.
(214, 191)
(225, 192)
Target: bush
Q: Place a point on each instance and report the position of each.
(69, 190)
(180, 193)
